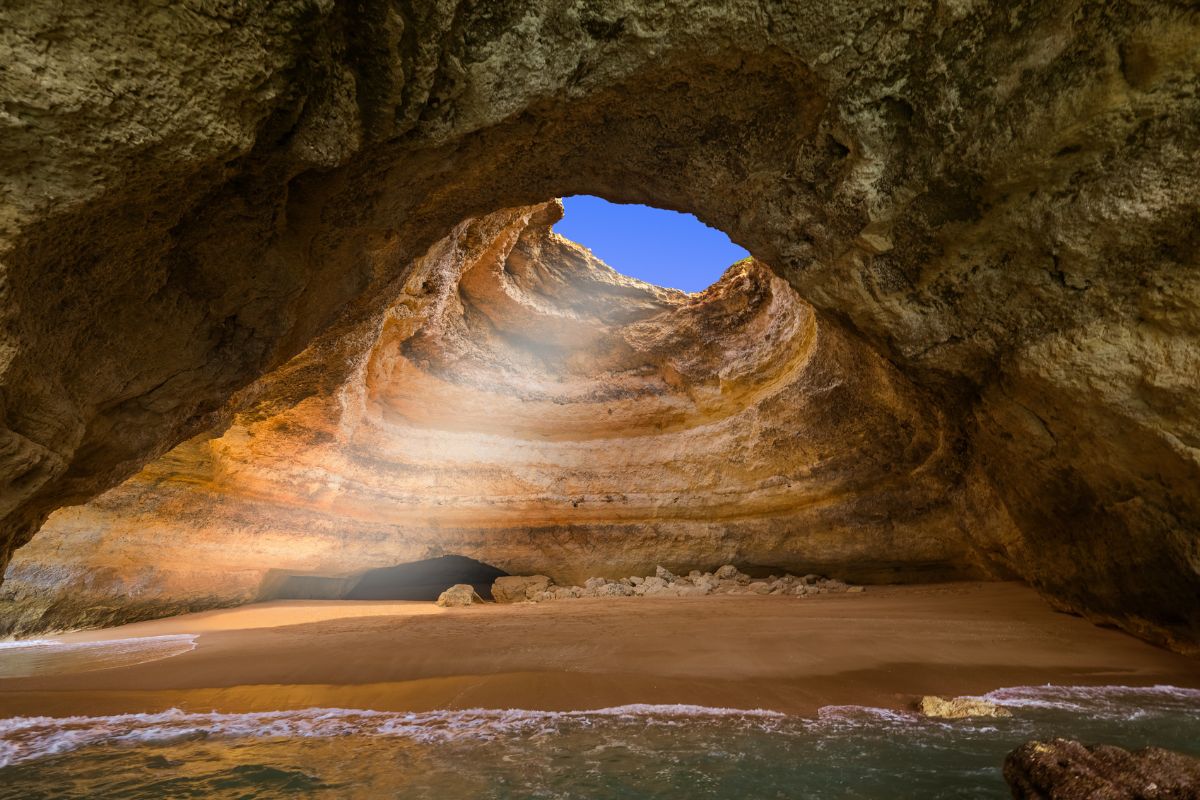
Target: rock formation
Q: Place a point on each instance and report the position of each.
(728, 579)
(519, 588)
(524, 405)
(458, 595)
(1067, 770)
(959, 708)
(1000, 198)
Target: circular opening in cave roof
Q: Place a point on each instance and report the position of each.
(664, 248)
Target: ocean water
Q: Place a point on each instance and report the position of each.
(628, 752)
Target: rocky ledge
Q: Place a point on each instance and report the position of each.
(1067, 770)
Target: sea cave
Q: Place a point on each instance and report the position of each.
(595, 399)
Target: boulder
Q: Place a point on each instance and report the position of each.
(460, 594)
(726, 573)
(1067, 770)
(665, 574)
(518, 588)
(656, 587)
(959, 708)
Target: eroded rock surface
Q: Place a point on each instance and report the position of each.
(1001, 198)
(524, 405)
(459, 595)
(959, 708)
(518, 588)
(1065, 770)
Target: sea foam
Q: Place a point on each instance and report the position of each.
(1093, 699)
(25, 739)
(21, 659)
(23, 643)
(29, 738)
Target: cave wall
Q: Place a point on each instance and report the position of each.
(522, 404)
(1000, 198)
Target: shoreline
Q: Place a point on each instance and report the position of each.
(883, 648)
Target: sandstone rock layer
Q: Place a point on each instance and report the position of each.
(1000, 198)
(524, 405)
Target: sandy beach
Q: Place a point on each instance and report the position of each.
(883, 648)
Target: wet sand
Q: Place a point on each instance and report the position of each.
(885, 647)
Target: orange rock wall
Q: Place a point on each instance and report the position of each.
(523, 404)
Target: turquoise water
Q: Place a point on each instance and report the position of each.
(629, 752)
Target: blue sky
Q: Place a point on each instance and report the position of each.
(665, 248)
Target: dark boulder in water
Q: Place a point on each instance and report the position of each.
(1066, 770)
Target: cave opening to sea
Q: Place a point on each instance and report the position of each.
(513, 400)
(609, 460)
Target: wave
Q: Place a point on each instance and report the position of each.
(1093, 699)
(29, 738)
(851, 716)
(138, 641)
(22, 643)
(48, 656)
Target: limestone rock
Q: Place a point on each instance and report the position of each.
(653, 585)
(697, 584)
(460, 594)
(433, 423)
(1066, 770)
(959, 708)
(999, 198)
(518, 588)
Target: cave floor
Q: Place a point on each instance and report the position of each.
(881, 648)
